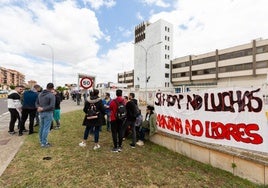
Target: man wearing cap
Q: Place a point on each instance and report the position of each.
(28, 108)
(45, 106)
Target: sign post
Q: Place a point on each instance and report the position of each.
(86, 82)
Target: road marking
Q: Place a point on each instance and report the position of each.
(4, 114)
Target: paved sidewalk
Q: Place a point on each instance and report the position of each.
(10, 144)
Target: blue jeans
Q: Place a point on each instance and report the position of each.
(108, 122)
(95, 130)
(143, 130)
(45, 123)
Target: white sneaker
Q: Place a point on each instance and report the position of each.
(82, 144)
(96, 147)
(140, 143)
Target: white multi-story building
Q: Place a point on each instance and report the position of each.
(244, 65)
(152, 55)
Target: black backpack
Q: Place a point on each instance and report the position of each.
(92, 112)
(121, 112)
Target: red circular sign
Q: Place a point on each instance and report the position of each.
(86, 82)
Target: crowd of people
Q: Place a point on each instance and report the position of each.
(42, 106)
(121, 115)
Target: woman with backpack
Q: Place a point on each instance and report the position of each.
(94, 112)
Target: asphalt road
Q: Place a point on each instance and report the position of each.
(3, 106)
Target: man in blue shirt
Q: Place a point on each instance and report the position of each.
(28, 108)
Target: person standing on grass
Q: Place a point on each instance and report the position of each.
(132, 114)
(116, 124)
(28, 108)
(93, 104)
(45, 106)
(106, 102)
(148, 125)
(14, 108)
(56, 113)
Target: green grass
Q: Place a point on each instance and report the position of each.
(73, 166)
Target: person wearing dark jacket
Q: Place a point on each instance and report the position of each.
(29, 108)
(95, 122)
(116, 124)
(45, 106)
(132, 114)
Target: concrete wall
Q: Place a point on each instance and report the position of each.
(245, 164)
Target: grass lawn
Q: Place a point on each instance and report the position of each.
(73, 166)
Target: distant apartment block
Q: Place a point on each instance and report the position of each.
(31, 83)
(126, 77)
(243, 65)
(10, 77)
(153, 51)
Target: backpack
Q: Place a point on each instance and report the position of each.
(121, 112)
(138, 121)
(137, 112)
(92, 112)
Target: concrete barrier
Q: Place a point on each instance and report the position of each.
(243, 163)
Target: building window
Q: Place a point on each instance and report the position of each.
(204, 60)
(262, 49)
(236, 54)
(262, 64)
(166, 28)
(166, 75)
(167, 66)
(166, 47)
(180, 65)
(182, 74)
(205, 71)
(232, 68)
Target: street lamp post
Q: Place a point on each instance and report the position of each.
(146, 50)
(52, 59)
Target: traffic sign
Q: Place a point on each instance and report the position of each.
(86, 82)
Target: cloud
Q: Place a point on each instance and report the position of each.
(96, 4)
(209, 25)
(160, 3)
(74, 32)
(73, 39)
(139, 16)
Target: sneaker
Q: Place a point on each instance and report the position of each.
(47, 145)
(57, 128)
(20, 134)
(132, 145)
(114, 150)
(25, 131)
(140, 143)
(96, 147)
(119, 149)
(11, 132)
(82, 144)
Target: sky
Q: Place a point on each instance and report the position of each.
(95, 37)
